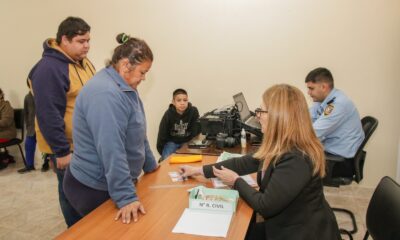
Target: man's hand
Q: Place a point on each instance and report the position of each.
(63, 162)
(127, 212)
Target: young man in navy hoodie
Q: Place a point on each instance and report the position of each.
(56, 81)
(178, 125)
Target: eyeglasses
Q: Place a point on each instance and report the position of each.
(259, 111)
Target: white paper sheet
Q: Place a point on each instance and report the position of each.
(217, 183)
(204, 223)
(226, 155)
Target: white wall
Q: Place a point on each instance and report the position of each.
(215, 48)
(398, 163)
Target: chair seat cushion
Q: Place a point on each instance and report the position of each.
(11, 142)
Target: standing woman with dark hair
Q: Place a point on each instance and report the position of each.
(290, 164)
(111, 146)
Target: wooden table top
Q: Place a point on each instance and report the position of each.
(164, 202)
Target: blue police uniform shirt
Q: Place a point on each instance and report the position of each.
(337, 124)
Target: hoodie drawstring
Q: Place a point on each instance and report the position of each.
(80, 79)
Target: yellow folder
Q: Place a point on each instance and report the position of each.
(186, 159)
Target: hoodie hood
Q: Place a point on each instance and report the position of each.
(53, 50)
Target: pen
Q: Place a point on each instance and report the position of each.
(184, 178)
(195, 196)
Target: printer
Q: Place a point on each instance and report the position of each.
(220, 120)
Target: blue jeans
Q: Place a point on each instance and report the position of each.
(30, 148)
(71, 216)
(169, 148)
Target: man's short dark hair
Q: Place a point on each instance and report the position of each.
(320, 75)
(71, 27)
(179, 91)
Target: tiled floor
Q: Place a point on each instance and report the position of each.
(353, 198)
(29, 207)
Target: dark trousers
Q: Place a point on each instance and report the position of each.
(71, 216)
(256, 230)
(83, 198)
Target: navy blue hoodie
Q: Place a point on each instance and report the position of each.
(56, 81)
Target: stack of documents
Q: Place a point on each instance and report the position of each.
(226, 155)
(217, 183)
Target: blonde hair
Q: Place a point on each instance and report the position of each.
(288, 127)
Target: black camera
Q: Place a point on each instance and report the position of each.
(223, 140)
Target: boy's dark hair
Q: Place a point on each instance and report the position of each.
(71, 27)
(179, 91)
(1, 94)
(320, 75)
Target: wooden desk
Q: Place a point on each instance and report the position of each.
(212, 150)
(164, 202)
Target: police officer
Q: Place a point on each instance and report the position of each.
(335, 118)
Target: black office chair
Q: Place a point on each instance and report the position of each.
(19, 124)
(383, 213)
(351, 169)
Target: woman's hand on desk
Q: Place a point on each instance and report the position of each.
(188, 171)
(127, 212)
(226, 175)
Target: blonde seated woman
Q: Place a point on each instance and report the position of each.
(290, 165)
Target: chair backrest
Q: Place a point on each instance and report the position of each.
(369, 125)
(19, 120)
(383, 213)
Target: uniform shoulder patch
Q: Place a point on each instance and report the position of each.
(328, 110)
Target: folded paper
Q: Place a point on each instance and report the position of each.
(186, 159)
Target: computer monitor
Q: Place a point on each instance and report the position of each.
(242, 106)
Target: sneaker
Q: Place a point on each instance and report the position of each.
(25, 170)
(45, 167)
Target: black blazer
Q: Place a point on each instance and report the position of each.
(290, 199)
